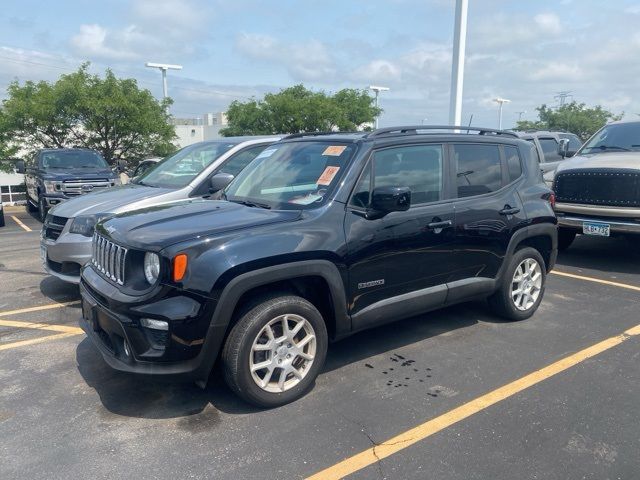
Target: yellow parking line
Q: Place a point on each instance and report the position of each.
(24, 343)
(596, 280)
(37, 309)
(17, 220)
(41, 326)
(433, 426)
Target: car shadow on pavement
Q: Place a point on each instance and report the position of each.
(607, 255)
(59, 291)
(155, 398)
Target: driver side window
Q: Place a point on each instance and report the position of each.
(418, 167)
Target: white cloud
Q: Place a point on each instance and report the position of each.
(306, 61)
(557, 71)
(548, 23)
(96, 41)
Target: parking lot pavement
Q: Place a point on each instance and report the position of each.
(65, 414)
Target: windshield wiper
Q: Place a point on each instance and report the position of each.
(610, 147)
(252, 204)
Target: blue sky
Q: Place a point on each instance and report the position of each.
(523, 51)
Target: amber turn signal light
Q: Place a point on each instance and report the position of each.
(179, 266)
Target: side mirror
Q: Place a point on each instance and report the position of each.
(219, 181)
(391, 199)
(563, 148)
(20, 166)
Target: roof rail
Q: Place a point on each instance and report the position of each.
(313, 134)
(413, 129)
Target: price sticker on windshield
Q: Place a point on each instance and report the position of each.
(334, 150)
(328, 175)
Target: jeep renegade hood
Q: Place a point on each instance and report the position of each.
(107, 201)
(160, 226)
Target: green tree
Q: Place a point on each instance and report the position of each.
(572, 117)
(111, 115)
(297, 109)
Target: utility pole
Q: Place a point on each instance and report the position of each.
(520, 115)
(378, 89)
(501, 102)
(163, 68)
(457, 68)
(562, 97)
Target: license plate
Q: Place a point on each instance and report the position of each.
(598, 229)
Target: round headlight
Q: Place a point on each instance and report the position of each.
(151, 267)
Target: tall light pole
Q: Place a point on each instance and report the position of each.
(457, 68)
(501, 102)
(164, 67)
(378, 89)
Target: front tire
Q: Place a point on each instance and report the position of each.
(275, 351)
(42, 209)
(522, 286)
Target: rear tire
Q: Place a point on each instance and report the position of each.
(565, 238)
(2, 217)
(522, 286)
(268, 364)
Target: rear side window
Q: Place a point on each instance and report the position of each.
(550, 149)
(514, 165)
(478, 169)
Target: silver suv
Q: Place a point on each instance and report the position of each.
(65, 243)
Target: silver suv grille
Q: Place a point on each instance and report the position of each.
(109, 258)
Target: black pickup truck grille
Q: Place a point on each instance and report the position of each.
(605, 187)
(53, 226)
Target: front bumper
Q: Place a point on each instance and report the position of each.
(65, 256)
(616, 226)
(110, 318)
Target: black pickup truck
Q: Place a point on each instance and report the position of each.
(56, 175)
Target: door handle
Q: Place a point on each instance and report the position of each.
(507, 210)
(437, 225)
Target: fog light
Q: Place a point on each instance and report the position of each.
(125, 347)
(154, 324)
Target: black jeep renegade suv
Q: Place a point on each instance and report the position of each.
(321, 236)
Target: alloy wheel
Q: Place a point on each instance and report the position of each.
(526, 284)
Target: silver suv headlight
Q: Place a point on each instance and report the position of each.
(151, 267)
(84, 224)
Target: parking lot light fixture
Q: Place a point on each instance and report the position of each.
(500, 102)
(163, 68)
(378, 89)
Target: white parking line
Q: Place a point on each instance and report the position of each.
(17, 220)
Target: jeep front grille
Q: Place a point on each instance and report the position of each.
(606, 187)
(109, 259)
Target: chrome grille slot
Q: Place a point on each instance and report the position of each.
(109, 259)
(79, 187)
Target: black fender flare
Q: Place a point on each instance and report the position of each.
(239, 285)
(535, 230)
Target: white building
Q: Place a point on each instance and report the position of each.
(192, 130)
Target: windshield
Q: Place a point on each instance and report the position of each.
(291, 175)
(68, 159)
(614, 137)
(178, 170)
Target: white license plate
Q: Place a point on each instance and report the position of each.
(599, 229)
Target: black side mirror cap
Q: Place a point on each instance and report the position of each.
(20, 166)
(219, 182)
(391, 199)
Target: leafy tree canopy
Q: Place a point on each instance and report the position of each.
(108, 114)
(572, 117)
(297, 109)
